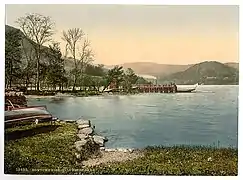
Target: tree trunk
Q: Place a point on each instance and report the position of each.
(37, 76)
(74, 84)
(38, 66)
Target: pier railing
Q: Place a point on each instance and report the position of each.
(157, 89)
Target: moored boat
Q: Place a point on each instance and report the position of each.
(23, 115)
(186, 90)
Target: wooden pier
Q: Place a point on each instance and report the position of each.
(157, 89)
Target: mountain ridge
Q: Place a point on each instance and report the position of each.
(207, 72)
(160, 70)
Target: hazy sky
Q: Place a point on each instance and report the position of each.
(137, 33)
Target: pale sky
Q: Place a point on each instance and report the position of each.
(137, 33)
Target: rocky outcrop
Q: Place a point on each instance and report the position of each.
(99, 140)
(81, 126)
(83, 122)
(86, 135)
(86, 131)
(91, 143)
(79, 144)
(82, 136)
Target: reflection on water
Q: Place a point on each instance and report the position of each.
(201, 118)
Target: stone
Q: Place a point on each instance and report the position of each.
(81, 126)
(86, 131)
(99, 140)
(101, 137)
(110, 150)
(123, 150)
(130, 150)
(102, 148)
(82, 136)
(83, 122)
(79, 144)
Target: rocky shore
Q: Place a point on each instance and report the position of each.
(87, 137)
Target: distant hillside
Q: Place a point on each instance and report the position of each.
(28, 49)
(26, 45)
(161, 70)
(208, 72)
(154, 69)
(233, 64)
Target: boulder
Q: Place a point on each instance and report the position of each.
(82, 136)
(81, 126)
(79, 144)
(86, 131)
(130, 150)
(83, 122)
(110, 150)
(124, 150)
(99, 140)
(102, 148)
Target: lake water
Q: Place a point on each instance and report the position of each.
(206, 117)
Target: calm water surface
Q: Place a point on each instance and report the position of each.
(206, 117)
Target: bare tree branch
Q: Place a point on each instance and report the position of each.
(38, 29)
(72, 37)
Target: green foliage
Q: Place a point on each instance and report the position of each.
(13, 55)
(178, 160)
(95, 70)
(130, 78)
(55, 72)
(114, 75)
(141, 80)
(49, 147)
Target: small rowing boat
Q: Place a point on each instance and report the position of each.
(18, 115)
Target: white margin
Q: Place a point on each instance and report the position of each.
(152, 2)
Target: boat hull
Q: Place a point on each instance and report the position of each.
(26, 115)
(185, 91)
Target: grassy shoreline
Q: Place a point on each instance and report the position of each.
(48, 149)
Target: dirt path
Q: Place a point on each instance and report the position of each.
(116, 156)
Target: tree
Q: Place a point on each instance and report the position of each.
(95, 70)
(13, 55)
(55, 74)
(86, 57)
(28, 64)
(114, 75)
(72, 37)
(130, 78)
(141, 80)
(38, 29)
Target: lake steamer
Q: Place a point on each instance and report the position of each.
(173, 88)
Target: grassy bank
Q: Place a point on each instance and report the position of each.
(48, 149)
(53, 93)
(175, 161)
(38, 147)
